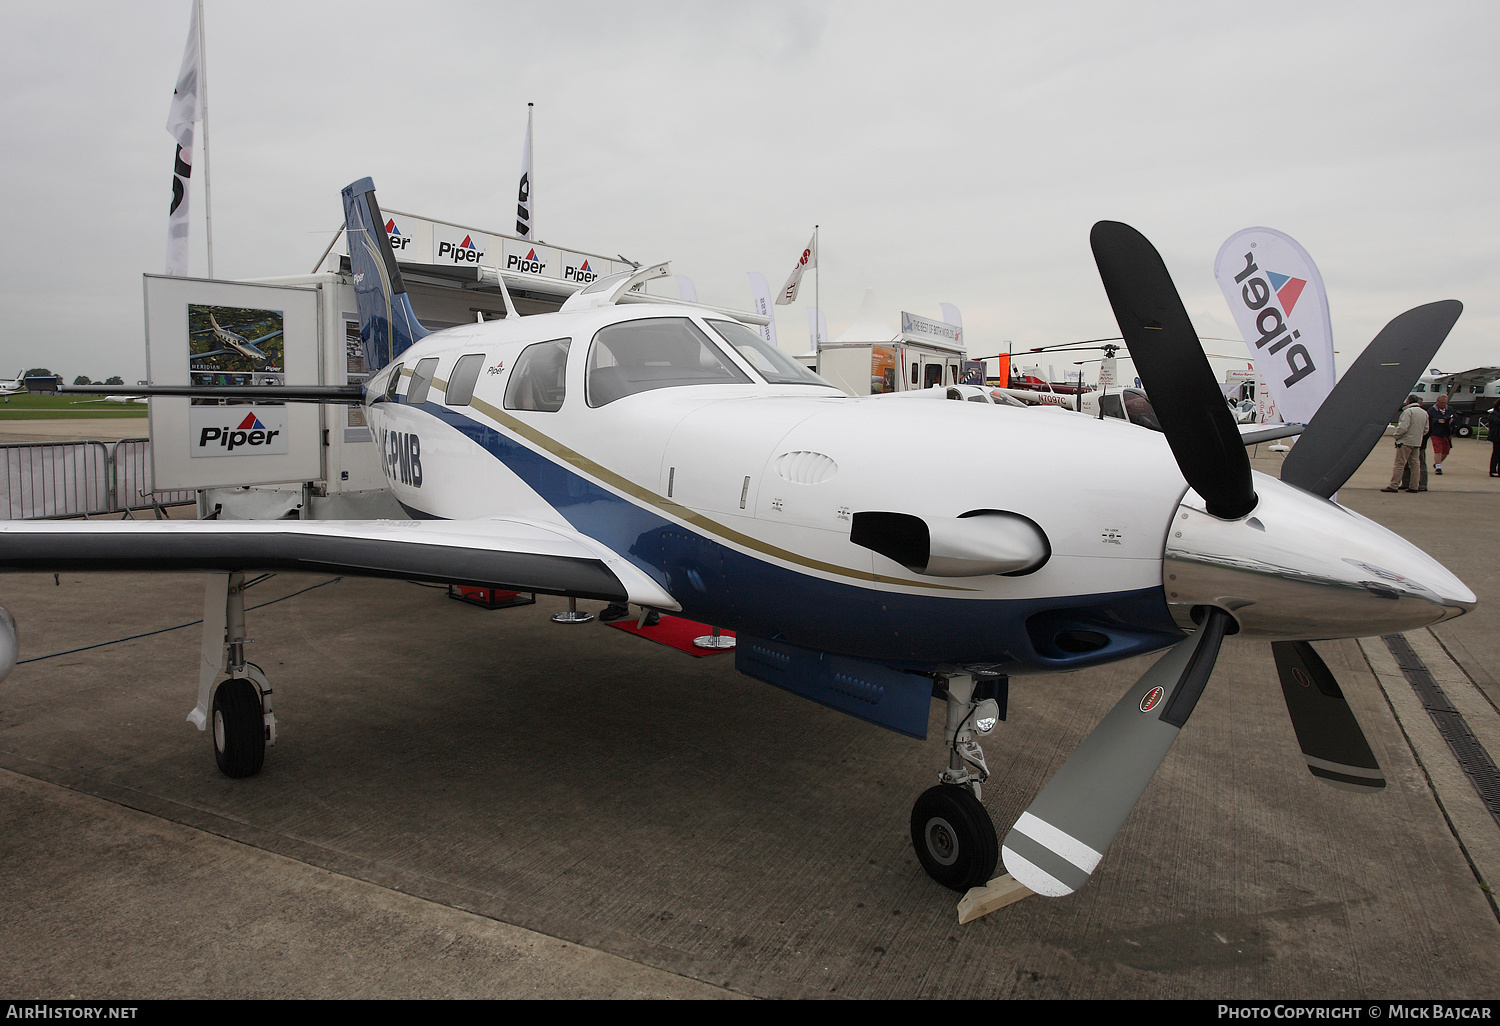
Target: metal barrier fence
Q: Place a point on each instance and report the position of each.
(49, 480)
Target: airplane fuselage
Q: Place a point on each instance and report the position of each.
(737, 499)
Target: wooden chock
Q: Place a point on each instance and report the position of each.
(999, 892)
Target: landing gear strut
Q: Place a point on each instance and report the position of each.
(243, 723)
(950, 830)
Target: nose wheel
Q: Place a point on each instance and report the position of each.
(950, 830)
(954, 838)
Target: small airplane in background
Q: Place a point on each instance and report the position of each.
(13, 386)
(232, 342)
(672, 459)
(121, 399)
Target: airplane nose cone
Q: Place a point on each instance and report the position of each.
(1302, 568)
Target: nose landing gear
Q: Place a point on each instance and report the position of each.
(951, 831)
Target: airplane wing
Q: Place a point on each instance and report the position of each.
(1476, 376)
(1252, 433)
(506, 553)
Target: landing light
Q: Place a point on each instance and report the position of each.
(986, 716)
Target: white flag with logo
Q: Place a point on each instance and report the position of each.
(185, 110)
(1277, 297)
(760, 302)
(809, 258)
(523, 195)
(951, 315)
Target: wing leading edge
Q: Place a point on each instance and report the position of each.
(515, 554)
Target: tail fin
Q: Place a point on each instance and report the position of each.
(387, 325)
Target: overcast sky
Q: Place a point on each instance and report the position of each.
(951, 152)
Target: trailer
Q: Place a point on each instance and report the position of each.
(875, 356)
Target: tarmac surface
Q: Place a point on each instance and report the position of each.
(475, 803)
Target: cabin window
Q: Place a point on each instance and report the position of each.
(913, 374)
(771, 363)
(651, 353)
(539, 380)
(392, 382)
(461, 381)
(934, 375)
(421, 381)
(1421, 387)
(1139, 409)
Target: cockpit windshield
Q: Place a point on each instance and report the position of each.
(771, 363)
(654, 352)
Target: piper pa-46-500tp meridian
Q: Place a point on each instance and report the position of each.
(667, 457)
(239, 345)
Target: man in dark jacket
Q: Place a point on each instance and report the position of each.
(1493, 423)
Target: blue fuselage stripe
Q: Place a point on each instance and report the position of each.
(721, 585)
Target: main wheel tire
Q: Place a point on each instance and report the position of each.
(1465, 431)
(954, 838)
(239, 733)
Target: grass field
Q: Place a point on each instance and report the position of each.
(58, 407)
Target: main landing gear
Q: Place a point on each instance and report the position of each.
(952, 833)
(233, 692)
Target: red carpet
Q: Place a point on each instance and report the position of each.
(674, 632)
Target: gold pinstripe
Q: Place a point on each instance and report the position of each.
(589, 468)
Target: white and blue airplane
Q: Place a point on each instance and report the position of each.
(667, 457)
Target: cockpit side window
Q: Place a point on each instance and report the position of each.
(538, 380)
(655, 352)
(393, 382)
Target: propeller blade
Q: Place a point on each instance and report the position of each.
(1353, 417)
(1169, 358)
(1066, 830)
(1332, 743)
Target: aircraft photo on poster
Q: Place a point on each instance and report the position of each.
(231, 345)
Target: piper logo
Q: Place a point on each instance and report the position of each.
(398, 241)
(528, 264)
(464, 252)
(1271, 319)
(227, 431)
(581, 273)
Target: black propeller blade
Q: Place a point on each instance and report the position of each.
(1330, 737)
(1177, 376)
(1353, 417)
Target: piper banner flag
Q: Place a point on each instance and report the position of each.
(809, 258)
(1276, 295)
(186, 109)
(760, 302)
(523, 196)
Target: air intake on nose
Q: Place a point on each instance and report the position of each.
(976, 544)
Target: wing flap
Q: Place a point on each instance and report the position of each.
(513, 554)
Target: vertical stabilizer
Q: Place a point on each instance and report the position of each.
(387, 326)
